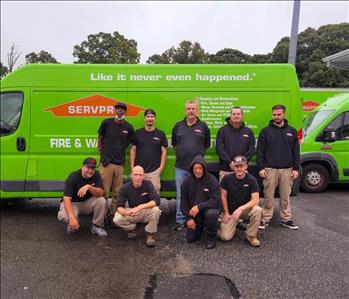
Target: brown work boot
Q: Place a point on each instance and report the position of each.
(150, 241)
(253, 241)
(132, 234)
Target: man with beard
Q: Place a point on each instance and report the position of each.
(233, 139)
(278, 161)
(83, 195)
(200, 203)
(149, 149)
(190, 137)
(114, 137)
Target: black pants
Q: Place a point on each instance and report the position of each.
(208, 217)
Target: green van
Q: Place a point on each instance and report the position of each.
(50, 114)
(313, 97)
(325, 146)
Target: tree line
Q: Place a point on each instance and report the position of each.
(313, 45)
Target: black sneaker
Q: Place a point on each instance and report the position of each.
(211, 242)
(179, 226)
(263, 225)
(289, 224)
(110, 222)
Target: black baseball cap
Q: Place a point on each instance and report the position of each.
(239, 160)
(90, 162)
(121, 105)
(149, 111)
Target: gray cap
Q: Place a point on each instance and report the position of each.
(239, 160)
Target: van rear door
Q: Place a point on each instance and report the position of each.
(15, 128)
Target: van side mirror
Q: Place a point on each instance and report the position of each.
(328, 135)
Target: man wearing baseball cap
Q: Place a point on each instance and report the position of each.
(114, 136)
(83, 195)
(240, 199)
(149, 149)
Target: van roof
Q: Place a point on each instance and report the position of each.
(264, 76)
(339, 101)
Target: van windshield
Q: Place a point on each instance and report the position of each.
(11, 108)
(314, 119)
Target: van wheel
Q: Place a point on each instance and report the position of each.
(315, 178)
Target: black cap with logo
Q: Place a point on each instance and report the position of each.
(90, 162)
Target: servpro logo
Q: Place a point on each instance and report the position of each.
(95, 105)
(309, 106)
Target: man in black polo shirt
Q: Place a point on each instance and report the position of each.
(149, 149)
(200, 203)
(240, 199)
(83, 195)
(143, 202)
(113, 139)
(190, 137)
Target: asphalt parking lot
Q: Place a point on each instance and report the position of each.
(39, 260)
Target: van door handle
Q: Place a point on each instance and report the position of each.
(21, 144)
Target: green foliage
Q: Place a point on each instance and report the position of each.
(41, 57)
(260, 58)
(3, 70)
(226, 56)
(314, 45)
(107, 48)
(186, 53)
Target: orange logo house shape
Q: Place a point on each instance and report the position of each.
(95, 106)
(309, 105)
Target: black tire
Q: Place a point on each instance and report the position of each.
(315, 178)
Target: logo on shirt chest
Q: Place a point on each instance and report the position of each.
(289, 134)
(124, 132)
(245, 135)
(198, 131)
(245, 185)
(156, 138)
(206, 190)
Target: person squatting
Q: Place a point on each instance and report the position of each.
(204, 205)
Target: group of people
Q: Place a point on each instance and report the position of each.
(202, 202)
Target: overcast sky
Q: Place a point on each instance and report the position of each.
(253, 27)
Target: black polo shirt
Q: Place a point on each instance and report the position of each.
(190, 141)
(75, 181)
(136, 196)
(115, 139)
(238, 191)
(148, 148)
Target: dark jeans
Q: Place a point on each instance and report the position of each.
(208, 217)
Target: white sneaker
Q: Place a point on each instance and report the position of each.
(99, 231)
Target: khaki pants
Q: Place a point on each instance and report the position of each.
(223, 173)
(148, 216)
(226, 231)
(95, 205)
(112, 176)
(281, 178)
(154, 178)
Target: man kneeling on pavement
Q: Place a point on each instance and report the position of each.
(240, 199)
(200, 203)
(143, 202)
(83, 195)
